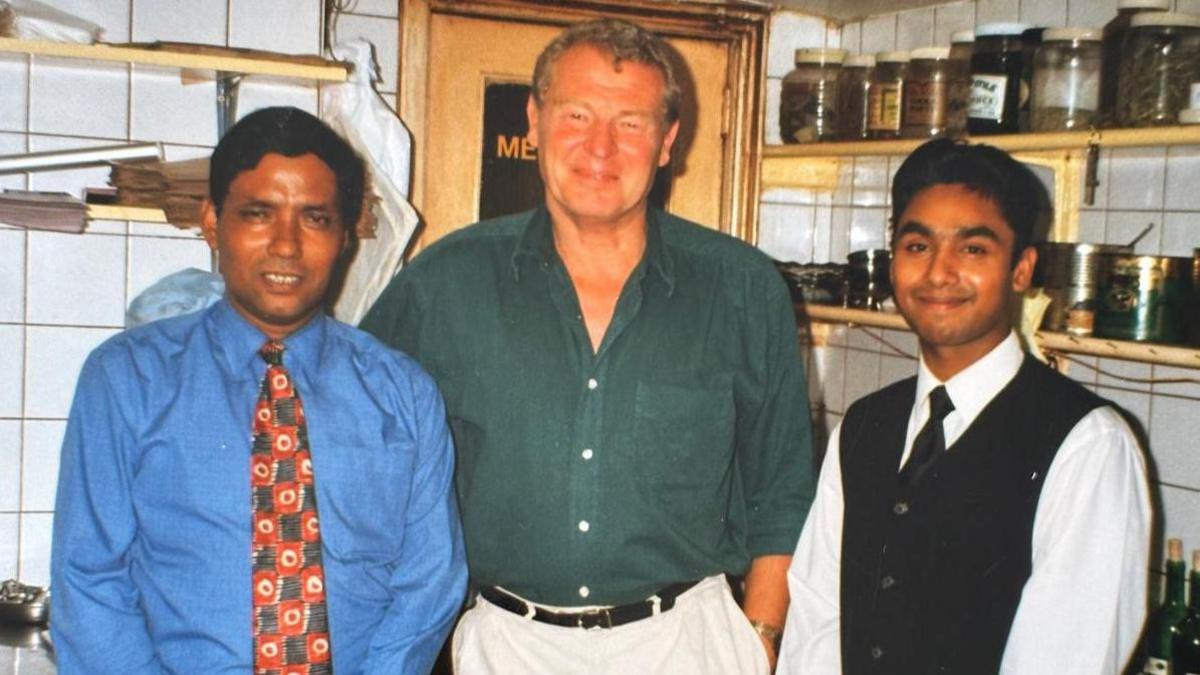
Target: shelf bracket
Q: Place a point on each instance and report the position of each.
(227, 95)
(1091, 178)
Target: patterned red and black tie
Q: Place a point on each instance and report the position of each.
(291, 626)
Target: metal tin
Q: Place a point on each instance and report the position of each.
(816, 283)
(869, 281)
(1070, 275)
(1144, 298)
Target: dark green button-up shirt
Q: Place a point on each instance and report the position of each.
(678, 450)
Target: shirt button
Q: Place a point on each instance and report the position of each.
(887, 582)
(587, 453)
(592, 383)
(876, 653)
(584, 526)
(900, 508)
(584, 592)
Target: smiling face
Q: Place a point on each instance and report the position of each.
(953, 276)
(601, 135)
(278, 238)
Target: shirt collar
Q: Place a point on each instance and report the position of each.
(972, 388)
(537, 244)
(238, 342)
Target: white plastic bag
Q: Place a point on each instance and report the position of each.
(356, 111)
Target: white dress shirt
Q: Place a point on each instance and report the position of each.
(1082, 608)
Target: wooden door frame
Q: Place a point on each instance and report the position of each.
(742, 27)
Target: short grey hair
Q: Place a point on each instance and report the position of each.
(622, 40)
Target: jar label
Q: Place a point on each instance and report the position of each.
(925, 104)
(883, 108)
(987, 97)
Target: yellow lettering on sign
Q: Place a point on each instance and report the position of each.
(515, 147)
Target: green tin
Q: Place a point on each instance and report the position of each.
(1145, 298)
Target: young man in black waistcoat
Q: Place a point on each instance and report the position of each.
(988, 515)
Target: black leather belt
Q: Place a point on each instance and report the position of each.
(607, 617)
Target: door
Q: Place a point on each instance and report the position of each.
(459, 56)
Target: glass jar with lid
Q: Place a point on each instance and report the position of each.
(927, 92)
(885, 102)
(1160, 58)
(962, 43)
(1066, 80)
(808, 101)
(997, 87)
(854, 88)
(1114, 35)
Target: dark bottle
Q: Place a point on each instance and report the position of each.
(998, 86)
(1185, 647)
(1114, 33)
(1163, 623)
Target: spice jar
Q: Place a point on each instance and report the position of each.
(1114, 35)
(1066, 80)
(885, 99)
(926, 93)
(854, 87)
(997, 88)
(808, 102)
(1158, 64)
(962, 43)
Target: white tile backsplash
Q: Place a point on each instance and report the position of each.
(167, 111)
(12, 369)
(256, 94)
(111, 15)
(374, 7)
(36, 529)
(949, 19)
(9, 551)
(79, 97)
(1183, 178)
(1091, 13)
(14, 73)
(791, 31)
(1181, 514)
(771, 133)
(54, 355)
(1174, 428)
(879, 34)
(10, 459)
(70, 181)
(39, 475)
(199, 21)
(1043, 14)
(1136, 177)
(852, 37)
(12, 144)
(868, 228)
(76, 279)
(992, 11)
(786, 233)
(914, 28)
(1180, 233)
(12, 275)
(1124, 226)
(288, 26)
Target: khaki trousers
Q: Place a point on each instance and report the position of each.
(704, 634)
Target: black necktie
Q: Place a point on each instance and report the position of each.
(930, 442)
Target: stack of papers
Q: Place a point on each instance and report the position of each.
(55, 211)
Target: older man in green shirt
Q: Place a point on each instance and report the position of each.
(625, 393)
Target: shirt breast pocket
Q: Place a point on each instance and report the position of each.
(684, 436)
(362, 503)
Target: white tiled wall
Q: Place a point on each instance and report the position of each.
(62, 294)
(1138, 186)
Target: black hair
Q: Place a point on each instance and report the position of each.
(290, 132)
(982, 169)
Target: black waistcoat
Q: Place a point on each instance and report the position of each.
(932, 574)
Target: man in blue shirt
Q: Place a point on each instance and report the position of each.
(172, 526)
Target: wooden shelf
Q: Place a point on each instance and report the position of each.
(1029, 142)
(145, 214)
(1167, 355)
(212, 59)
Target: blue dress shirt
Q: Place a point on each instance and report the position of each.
(150, 567)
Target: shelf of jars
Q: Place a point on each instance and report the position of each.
(1145, 352)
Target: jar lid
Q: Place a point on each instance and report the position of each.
(960, 36)
(1010, 29)
(1189, 116)
(930, 53)
(820, 55)
(1072, 33)
(860, 61)
(1144, 4)
(892, 57)
(1165, 19)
